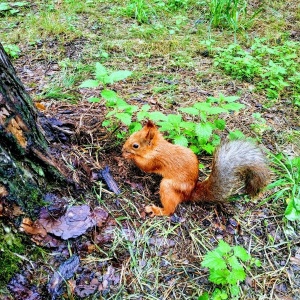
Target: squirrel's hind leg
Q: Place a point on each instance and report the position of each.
(169, 197)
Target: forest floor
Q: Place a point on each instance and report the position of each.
(171, 50)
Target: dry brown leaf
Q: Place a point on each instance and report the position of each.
(33, 228)
(75, 222)
(21, 289)
(40, 106)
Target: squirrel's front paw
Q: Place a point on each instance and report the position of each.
(154, 210)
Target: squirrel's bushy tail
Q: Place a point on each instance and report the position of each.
(236, 165)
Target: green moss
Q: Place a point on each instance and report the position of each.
(10, 246)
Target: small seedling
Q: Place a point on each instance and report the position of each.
(138, 9)
(12, 8)
(226, 266)
(260, 125)
(12, 50)
(104, 77)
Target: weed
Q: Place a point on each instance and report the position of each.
(199, 134)
(119, 108)
(271, 68)
(12, 8)
(226, 269)
(230, 14)
(120, 111)
(174, 5)
(147, 31)
(163, 88)
(12, 50)
(260, 125)
(138, 9)
(288, 184)
(143, 11)
(57, 93)
(102, 76)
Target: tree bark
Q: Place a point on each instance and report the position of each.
(26, 168)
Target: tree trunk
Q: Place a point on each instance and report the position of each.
(26, 169)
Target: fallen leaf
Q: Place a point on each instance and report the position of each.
(40, 106)
(3, 191)
(135, 185)
(46, 241)
(65, 271)
(100, 216)
(17, 211)
(33, 228)
(109, 180)
(21, 290)
(109, 278)
(76, 221)
(86, 289)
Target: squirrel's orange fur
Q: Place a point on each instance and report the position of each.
(234, 163)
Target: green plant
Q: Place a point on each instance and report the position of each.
(229, 14)
(103, 77)
(226, 268)
(12, 50)
(287, 185)
(119, 109)
(174, 5)
(199, 134)
(56, 92)
(260, 125)
(223, 13)
(12, 8)
(138, 9)
(274, 69)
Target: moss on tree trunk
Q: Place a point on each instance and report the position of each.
(26, 169)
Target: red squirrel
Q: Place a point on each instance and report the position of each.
(234, 163)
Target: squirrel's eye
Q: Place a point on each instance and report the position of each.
(135, 145)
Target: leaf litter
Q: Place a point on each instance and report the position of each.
(75, 222)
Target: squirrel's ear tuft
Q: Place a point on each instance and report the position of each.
(151, 130)
(150, 124)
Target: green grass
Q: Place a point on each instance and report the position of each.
(287, 185)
